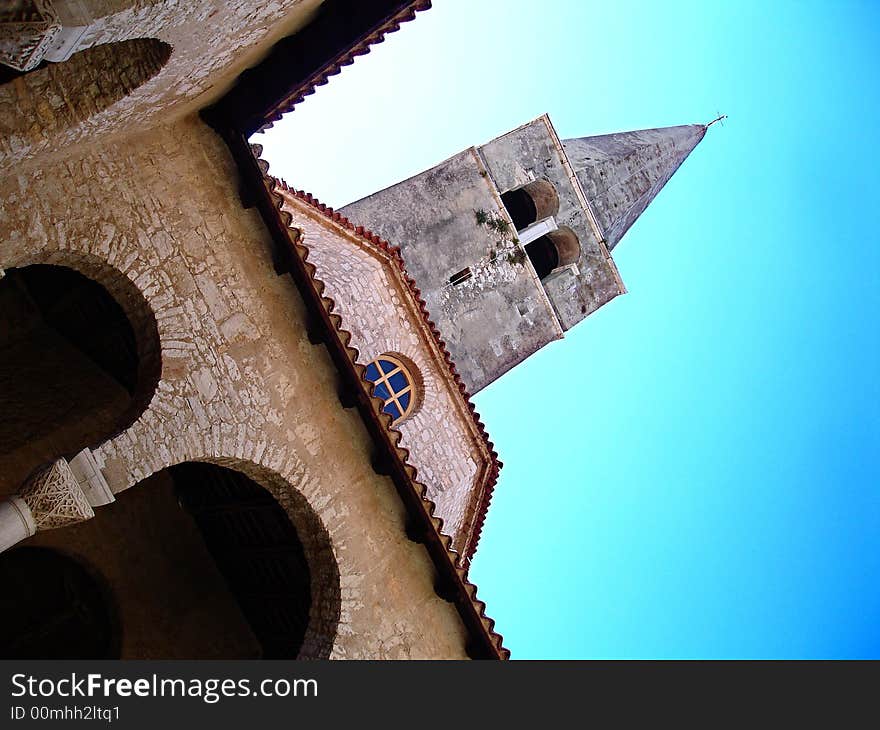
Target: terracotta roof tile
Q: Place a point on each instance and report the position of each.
(345, 58)
(495, 465)
(273, 185)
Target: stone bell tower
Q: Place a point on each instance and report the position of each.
(510, 242)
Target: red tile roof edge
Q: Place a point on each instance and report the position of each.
(346, 58)
(495, 465)
(272, 184)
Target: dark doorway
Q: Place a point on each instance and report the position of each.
(69, 367)
(257, 550)
(520, 207)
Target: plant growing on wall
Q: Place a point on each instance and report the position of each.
(497, 223)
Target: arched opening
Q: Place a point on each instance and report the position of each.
(557, 248)
(530, 203)
(58, 97)
(75, 368)
(543, 255)
(257, 550)
(202, 561)
(54, 607)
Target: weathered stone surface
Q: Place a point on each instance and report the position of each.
(210, 43)
(622, 173)
(432, 217)
(240, 383)
(502, 313)
(378, 312)
(488, 299)
(533, 152)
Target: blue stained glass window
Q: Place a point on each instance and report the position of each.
(398, 381)
(392, 410)
(392, 383)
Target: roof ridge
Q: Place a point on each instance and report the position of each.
(395, 251)
(361, 48)
(272, 183)
(383, 245)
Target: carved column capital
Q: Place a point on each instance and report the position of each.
(55, 497)
(28, 29)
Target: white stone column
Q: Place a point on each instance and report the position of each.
(16, 522)
(79, 30)
(63, 493)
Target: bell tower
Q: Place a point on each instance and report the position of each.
(510, 242)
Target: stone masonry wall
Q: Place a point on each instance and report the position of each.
(532, 152)
(374, 310)
(240, 384)
(211, 42)
(500, 315)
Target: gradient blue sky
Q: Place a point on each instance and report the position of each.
(693, 471)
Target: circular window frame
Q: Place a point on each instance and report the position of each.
(413, 387)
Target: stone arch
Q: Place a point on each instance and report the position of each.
(59, 306)
(552, 250)
(39, 32)
(180, 574)
(87, 23)
(55, 102)
(567, 244)
(531, 202)
(324, 581)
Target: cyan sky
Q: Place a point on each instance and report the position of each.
(694, 470)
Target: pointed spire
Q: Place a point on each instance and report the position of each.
(622, 173)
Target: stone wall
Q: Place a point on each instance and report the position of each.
(500, 315)
(240, 384)
(379, 314)
(51, 103)
(210, 43)
(533, 152)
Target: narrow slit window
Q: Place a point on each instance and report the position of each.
(461, 276)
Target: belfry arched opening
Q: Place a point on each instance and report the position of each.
(553, 250)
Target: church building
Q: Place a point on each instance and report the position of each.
(236, 423)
